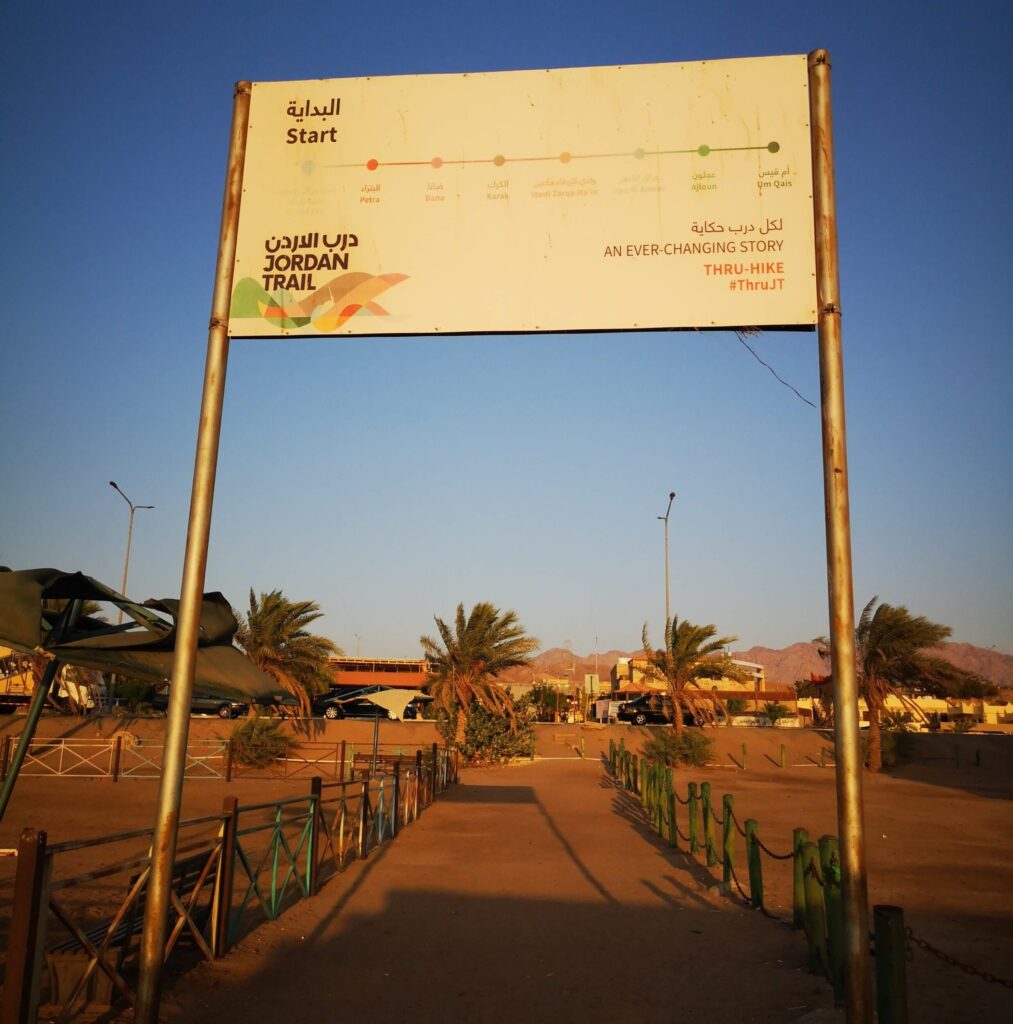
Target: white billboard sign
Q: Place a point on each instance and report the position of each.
(614, 198)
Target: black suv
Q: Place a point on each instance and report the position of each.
(648, 709)
(202, 704)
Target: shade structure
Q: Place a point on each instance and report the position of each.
(141, 648)
(395, 701)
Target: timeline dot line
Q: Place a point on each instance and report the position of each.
(564, 157)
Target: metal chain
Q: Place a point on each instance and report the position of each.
(740, 829)
(954, 962)
(762, 909)
(811, 870)
(735, 879)
(680, 799)
(770, 853)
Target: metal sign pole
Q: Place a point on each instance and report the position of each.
(163, 849)
(858, 989)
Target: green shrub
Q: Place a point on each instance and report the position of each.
(894, 720)
(256, 742)
(737, 705)
(775, 711)
(446, 723)
(894, 747)
(135, 693)
(488, 738)
(691, 748)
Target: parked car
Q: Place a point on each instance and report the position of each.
(203, 704)
(650, 709)
(338, 704)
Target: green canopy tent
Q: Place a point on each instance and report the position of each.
(141, 647)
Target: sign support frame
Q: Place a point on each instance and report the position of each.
(163, 849)
(848, 772)
(858, 992)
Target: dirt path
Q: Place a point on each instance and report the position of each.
(531, 893)
(535, 893)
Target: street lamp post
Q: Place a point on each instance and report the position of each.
(130, 533)
(664, 519)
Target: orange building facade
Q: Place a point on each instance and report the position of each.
(404, 673)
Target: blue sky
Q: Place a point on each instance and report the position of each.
(389, 479)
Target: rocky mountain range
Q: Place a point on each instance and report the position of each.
(783, 667)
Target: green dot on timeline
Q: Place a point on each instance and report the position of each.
(773, 147)
(704, 150)
(638, 153)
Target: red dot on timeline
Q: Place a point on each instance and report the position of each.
(372, 164)
(437, 161)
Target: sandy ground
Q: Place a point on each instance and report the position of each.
(535, 892)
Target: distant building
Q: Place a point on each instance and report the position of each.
(406, 673)
(632, 675)
(926, 712)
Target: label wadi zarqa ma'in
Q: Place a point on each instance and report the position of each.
(649, 196)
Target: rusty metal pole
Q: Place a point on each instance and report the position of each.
(858, 988)
(163, 850)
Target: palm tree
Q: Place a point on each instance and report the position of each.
(274, 636)
(686, 658)
(890, 646)
(466, 658)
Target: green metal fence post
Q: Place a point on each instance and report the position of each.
(755, 865)
(782, 755)
(642, 782)
(275, 860)
(743, 757)
(798, 839)
(694, 835)
(708, 824)
(727, 838)
(395, 808)
(815, 911)
(891, 970)
(312, 867)
(830, 865)
(660, 799)
(364, 811)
